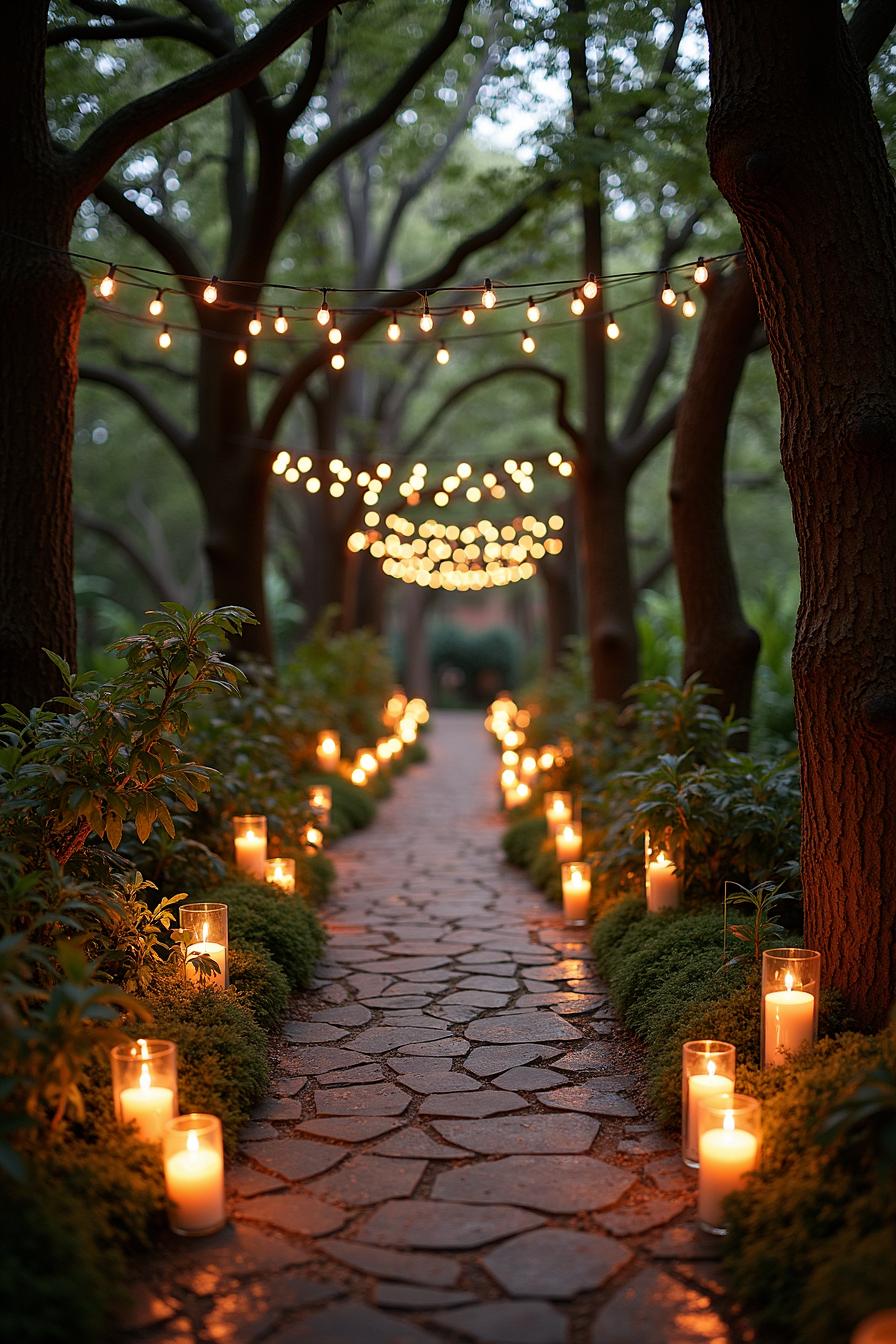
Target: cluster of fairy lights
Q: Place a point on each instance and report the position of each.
(590, 295)
(460, 558)
(461, 482)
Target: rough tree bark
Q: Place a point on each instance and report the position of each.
(719, 641)
(797, 152)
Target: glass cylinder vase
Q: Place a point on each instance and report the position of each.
(728, 1146)
(707, 1070)
(568, 842)
(281, 873)
(791, 980)
(663, 869)
(193, 1155)
(144, 1086)
(206, 950)
(320, 803)
(250, 844)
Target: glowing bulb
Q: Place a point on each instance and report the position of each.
(210, 293)
(157, 305)
(334, 335)
(668, 295)
(240, 355)
(554, 458)
(527, 344)
(688, 307)
(312, 485)
(612, 328)
(164, 338)
(565, 468)
(393, 331)
(577, 305)
(468, 316)
(281, 326)
(323, 312)
(337, 361)
(107, 284)
(440, 498)
(384, 471)
(443, 354)
(304, 463)
(291, 475)
(701, 272)
(533, 312)
(254, 325)
(464, 470)
(489, 297)
(590, 287)
(426, 322)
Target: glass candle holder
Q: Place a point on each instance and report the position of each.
(707, 1070)
(568, 841)
(575, 880)
(791, 980)
(206, 923)
(557, 810)
(328, 750)
(193, 1156)
(144, 1086)
(281, 873)
(368, 762)
(358, 776)
(383, 750)
(250, 844)
(320, 803)
(517, 795)
(528, 766)
(728, 1146)
(312, 839)
(880, 1328)
(663, 869)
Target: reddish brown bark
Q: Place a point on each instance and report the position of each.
(795, 148)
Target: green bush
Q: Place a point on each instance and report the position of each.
(523, 839)
(261, 984)
(260, 915)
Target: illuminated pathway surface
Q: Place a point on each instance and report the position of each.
(456, 1148)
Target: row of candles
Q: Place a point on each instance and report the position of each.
(720, 1128)
(402, 716)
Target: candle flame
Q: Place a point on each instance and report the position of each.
(250, 834)
(661, 861)
(710, 1066)
(145, 1079)
(788, 981)
(192, 1142)
(728, 1122)
(144, 1047)
(204, 938)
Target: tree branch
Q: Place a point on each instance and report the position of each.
(138, 30)
(171, 248)
(157, 580)
(635, 451)
(291, 110)
(125, 127)
(143, 399)
(870, 26)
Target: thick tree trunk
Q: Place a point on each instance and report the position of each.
(560, 606)
(719, 642)
(612, 635)
(417, 670)
(795, 148)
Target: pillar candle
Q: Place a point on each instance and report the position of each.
(700, 1086)
(662, 884)
(218, 954)
(251, 852)
(147, 1106)
(327, 751)
(194, 1181)
(726, 1156)
(568, 842)
(576, 897)
(789, 1021)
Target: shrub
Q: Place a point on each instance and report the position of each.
(261, 984)
(260, 915)
(523, 839)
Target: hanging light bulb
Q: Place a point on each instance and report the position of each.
(337, 361)
(533, 312)
(612, 328)
(489, 297)
(334, 335)
(240, 355)
(210, 293)
(426, 322)
(701, 272)
(442, 354)
(164, 338)
(107, 284)
(323, 312)
(688, 307)
(590, 287)
(255, 325)
(157, 305)
(668, 295)
(468, 317)
(281, 325)
(576, 305)
(393, 331)
(527, 344)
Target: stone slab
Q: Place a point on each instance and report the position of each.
(528, 1322)
(655, 1306)
(377, 1099)
(429, 1081)
(409, 1266)
(550, 1184)
(555, 1262)
(380, 1040)
(487, 1060)
(475, 1105)
(369, 1179)
(591, 1097)
(416, 1143)
(312, 1033)
(350, 1321)
(294, 1159)
(293, 1212)
(527, 1079)
(351, 1128)
(521, 1134)
(434, 1225)
(522, 1028)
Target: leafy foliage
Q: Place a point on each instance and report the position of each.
(260, 915)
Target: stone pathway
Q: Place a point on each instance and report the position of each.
(455, 1150)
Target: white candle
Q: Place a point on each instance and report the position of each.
(251, 852)
(576, 897)
(568, 841)
(147, 1106)
(218, 954)
(194, 1181)
(328, 752)
(278, 875)
(789, 1021)
(700, 1086)
(726, 1156)
(662, 884)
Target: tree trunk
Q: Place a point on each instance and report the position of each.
(44, 300)
(795, 148)
(417, 669)
(561, 615)
(719, 642)
(601, 496)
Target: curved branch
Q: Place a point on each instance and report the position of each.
(304, 92)
(160, 584)
(635, 450)
(138, 30)
(143, 399)
(171, 248)
(89, 164)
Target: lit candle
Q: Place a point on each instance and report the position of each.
(147, 1106)
(194, 1175)
(320, 801)
(218, 954)
(568, 842)
(557, 810)
(528, 765)
(251, 852)
(327, 750)
(281, 873)
(407, 731)
(700, 1086)
(662, 883)
(359, 777)
(313, 840)
(575, 880)
(789, 1021)
(727, 1154)
(368, 762)
(144, 1085)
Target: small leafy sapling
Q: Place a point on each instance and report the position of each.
(764, 928)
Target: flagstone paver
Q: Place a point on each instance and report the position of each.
(456, 1145)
